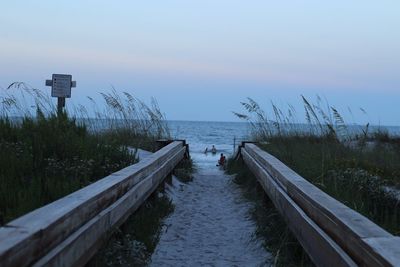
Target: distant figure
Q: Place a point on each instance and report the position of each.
(221, 161)
(206, 151)
(213, 150)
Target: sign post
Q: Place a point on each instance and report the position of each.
(61, 85)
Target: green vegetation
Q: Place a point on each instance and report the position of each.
(184, 170)
(45, 158)
(357, 166)
(127, 120)
(45, 155)
(351, 175)
(134, 242)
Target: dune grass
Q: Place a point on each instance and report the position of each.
(127, 120)
(354, 177)
(45, 158)
(45, 155)
(357, 165)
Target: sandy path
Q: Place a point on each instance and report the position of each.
(209, 226)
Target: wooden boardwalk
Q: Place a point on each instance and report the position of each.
(330, 232)
(69, 231)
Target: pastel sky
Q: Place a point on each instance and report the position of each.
(199, 59)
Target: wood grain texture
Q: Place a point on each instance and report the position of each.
(31, 236)
(80, 246)
(348, 228)
(318, 245)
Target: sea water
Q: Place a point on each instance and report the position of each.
(201, 135)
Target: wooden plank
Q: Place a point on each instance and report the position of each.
(79, 247)
(321, 248)
(272, 165)
(34, 234)
(347, 227)
(380, 245)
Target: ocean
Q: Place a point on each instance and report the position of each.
(225, 135)
(201, 135)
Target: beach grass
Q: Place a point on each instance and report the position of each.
(47, 157)
(45, 154)
(362, 180)
(356, 165)
(359, 165)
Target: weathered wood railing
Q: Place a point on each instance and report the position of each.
(69, 231)
(331, 233)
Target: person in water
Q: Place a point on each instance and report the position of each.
(221, 161)
(206, 150)
(213, 150)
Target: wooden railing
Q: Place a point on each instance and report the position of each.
(330, 232)
(69, 231)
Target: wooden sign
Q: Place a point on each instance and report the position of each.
(61, 85)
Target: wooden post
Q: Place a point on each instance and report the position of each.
(61, 85)
(163, 142)
(60, 104)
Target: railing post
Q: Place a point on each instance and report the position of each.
(163, 142)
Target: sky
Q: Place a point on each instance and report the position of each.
(200, 59)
